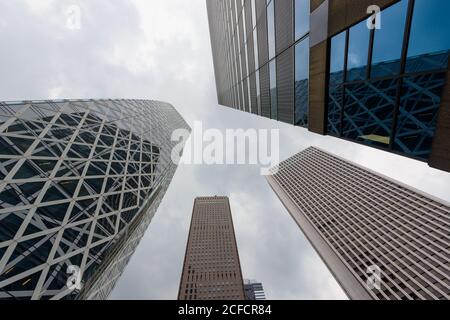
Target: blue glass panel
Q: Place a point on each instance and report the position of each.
(337, 58)
(271, 29)
(388, 41)
(273, 89)
(358, 51)
(369, 110)
(419, 109)
(302, 83)
(334, 110)
(302, 12)
(429, 33)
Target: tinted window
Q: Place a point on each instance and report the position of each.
(358, 51)
(388, 41)
(271, 29)
(301, 82)
(301, 18)
(337, 58)
(258, 92)
(273, 89)
(429, 34)
(255, 45)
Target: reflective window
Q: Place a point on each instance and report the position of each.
(271, 29)
(255, 45)
(358, 51)
(258, 92)
(419, 108)
(429, 35)
(273, 89)
(337, 58)
(301, 18)
(254, 18)
(388, 41)
(364, 110)
(302, 83)
(369, 110)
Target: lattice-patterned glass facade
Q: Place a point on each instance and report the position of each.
(385, 85)
(80, 182)
(359, 222)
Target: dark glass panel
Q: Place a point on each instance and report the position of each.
(419, 109)
(271, 29)
(273, 89)
(334, 110)
(369, 110)
(302, 83)
(358, 51)
(429, 33)
(302, 13)
(337, 59)
(388, 41)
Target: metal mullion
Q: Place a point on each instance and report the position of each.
(418, 227)
(99, 204)
(402, 190)
(418, 249)
(340, 235)
(414, 271)
(376, 249)
(407, 205)
(55, 247)
(343, 85)
(404, 57)
(415, 218)
(370, 54)
(313, 220)
(124, 183)
(12, 119)
(32, 211)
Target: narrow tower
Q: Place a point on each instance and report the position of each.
(212, 270)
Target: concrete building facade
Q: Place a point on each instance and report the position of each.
(211, 269)
(379, 238)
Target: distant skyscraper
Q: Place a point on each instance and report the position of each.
(254, 290)
(316, 64)
(366, 227)
(212, 269)
(80, 183)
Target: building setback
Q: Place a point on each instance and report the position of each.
(212, 269)
(80, 181)
(317, 65)
(361, 223)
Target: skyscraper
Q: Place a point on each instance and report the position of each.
(80, 182)
(212, 270)
(380, 238)
(319, 65)
(254, 290)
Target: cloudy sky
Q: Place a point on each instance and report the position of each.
(160, 50)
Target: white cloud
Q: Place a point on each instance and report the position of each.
(160, 50)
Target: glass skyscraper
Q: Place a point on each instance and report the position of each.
(80, 183)
(318, 64)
